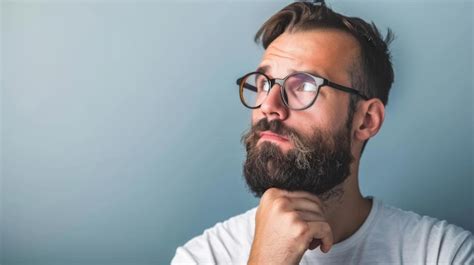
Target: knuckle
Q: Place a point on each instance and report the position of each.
(280, 203)
(270, 193)
(301, 229)
(293, 218)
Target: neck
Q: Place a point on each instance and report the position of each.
(347, 212)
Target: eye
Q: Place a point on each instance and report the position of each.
(307, 87)
(263, 85)
(266, 86)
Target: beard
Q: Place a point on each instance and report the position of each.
(317, 164)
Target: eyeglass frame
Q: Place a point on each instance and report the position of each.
(281, 81)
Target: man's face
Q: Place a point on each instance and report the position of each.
(309, 149)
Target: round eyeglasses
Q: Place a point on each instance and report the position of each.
(299, 90)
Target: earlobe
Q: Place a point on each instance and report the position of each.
(372, 114)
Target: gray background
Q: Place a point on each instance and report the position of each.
(121, 122)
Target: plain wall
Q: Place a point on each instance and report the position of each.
(121, 122)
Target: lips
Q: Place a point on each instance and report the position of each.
(272, 136)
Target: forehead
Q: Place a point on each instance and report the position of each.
(325, 52)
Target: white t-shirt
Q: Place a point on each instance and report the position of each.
(388, 236)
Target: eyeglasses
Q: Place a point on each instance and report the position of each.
(299, 90)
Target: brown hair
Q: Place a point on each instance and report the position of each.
(372, 74)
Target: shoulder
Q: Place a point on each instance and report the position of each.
(409, 221)
(227, 242)
(437, 240)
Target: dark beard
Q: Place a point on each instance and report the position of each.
(317, 164)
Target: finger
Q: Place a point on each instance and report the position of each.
(323, 232)
(310, 216)
(303, 204)
(304, 194)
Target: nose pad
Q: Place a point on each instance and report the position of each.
(273, 106)
(283, 96)
(273, 90)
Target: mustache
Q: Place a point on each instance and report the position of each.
(250, 138)
(275, 126)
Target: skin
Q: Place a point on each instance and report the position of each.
(289, 223)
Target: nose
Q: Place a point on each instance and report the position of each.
(273, 106)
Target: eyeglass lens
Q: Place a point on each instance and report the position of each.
(299, 90)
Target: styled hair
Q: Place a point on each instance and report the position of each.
(371, 73)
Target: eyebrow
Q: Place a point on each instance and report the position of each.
(265, 68)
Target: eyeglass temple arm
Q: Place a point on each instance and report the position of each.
(346, 89)
(247, 86)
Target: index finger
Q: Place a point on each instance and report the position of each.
(323, 232)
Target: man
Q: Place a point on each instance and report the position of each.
(318, 96)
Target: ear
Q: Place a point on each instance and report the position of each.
(369, 119)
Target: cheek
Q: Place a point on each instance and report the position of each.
(256, 116)
(331, 114)
(320, 118)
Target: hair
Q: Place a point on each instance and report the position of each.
(371, 73)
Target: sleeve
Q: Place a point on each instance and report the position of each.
(465, 252)
(450, 244)
(182, 257)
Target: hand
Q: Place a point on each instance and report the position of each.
(286, 225)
